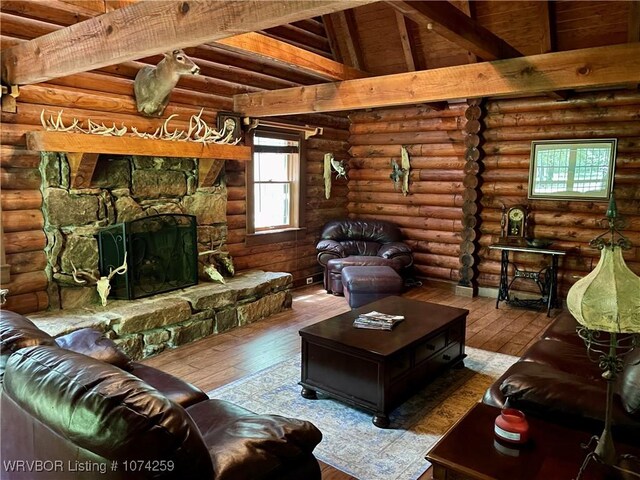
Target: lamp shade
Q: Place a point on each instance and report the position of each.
(608, 299)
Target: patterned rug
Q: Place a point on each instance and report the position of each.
(351, 443)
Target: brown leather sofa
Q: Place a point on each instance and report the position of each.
(357, 243)
(67, 415)
(555, 379)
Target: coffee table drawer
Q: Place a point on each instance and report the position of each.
(429, 347)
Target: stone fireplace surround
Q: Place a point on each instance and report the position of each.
(125, 188)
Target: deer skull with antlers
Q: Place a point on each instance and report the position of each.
(103, 284)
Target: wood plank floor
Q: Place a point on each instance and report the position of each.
(220, 359)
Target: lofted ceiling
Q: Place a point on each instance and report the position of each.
(372, 39)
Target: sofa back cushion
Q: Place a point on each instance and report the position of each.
(366, 230)
(105, 410)
(18, 332)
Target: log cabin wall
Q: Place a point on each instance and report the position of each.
(106, 95)
(511, 125)
(430, 217)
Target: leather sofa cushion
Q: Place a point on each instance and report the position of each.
(94, 344)
(565, 357)
(243, 444)
(546, 391)
(360, 247)
(104, 409)
(563, 329)
(174, 388)
(18, 332)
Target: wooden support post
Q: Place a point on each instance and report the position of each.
(468, 285)
(81, 167)
(208, 171)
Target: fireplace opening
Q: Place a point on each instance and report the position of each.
(161, 255)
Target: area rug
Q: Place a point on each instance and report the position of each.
(350, 442)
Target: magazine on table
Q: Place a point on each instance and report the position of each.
(377, 321)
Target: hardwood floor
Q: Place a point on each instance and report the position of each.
(220, 359)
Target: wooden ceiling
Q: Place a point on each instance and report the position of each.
(316, 42)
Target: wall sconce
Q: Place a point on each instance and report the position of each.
(402, 172)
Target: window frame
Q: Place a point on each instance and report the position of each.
(538, 146)
(297, 194)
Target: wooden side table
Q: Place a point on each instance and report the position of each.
(470, 451)
(548, 287)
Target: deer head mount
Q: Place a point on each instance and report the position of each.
(103, 284)
(153, 85)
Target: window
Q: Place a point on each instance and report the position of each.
(576, 169)
(273, 183)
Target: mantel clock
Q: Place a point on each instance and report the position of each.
(514, 222)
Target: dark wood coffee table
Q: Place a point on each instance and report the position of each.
(470, 451)
(378, 370)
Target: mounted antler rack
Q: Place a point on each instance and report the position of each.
(308, 130)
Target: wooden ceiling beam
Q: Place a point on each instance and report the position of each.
(589, 67)
(290, 55)
(149, 28)
(453, 24)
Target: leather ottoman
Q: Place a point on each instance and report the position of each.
(362, 285)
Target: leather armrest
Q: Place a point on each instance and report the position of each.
(243, 444)
(328, 249)
(94, 344)
(394, 249)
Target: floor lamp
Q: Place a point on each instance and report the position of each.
(606, 304)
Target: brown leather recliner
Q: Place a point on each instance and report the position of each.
(356, 243)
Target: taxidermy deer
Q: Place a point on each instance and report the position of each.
(153, 85)
(103, 284)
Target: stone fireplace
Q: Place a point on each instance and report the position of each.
(123, 188)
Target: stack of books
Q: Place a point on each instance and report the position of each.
(377, 321)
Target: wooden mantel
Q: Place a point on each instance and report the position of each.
(82, 151)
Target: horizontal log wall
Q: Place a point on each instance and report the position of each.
(106, 95)
(430, 216)
(298, 257)
(511, 125)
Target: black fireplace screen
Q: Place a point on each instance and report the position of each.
(161, 255)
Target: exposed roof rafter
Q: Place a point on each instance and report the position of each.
(290, 55)
(451, 23)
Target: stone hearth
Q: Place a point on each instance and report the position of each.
(145, 327)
